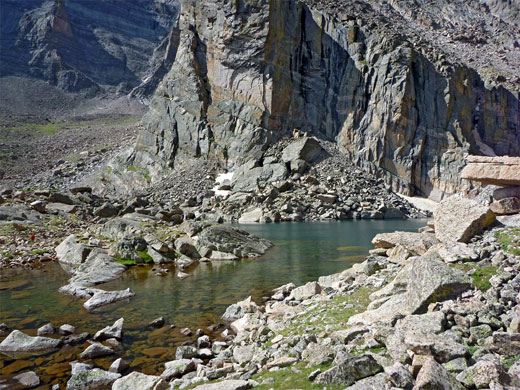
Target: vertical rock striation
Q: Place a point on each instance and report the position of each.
(248, 72)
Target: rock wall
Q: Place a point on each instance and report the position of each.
(248, 72)
(88, 46)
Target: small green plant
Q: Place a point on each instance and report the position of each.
(294, 377)
(509, 239)
(481, 277)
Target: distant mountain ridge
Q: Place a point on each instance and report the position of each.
(88, 47)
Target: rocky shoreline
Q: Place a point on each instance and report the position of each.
(434, 309)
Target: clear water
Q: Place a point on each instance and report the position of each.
(303, 252)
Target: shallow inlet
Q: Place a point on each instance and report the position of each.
(303, 252)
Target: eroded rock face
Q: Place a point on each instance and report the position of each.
(243, 77)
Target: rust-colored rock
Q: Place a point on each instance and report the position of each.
(502, 171)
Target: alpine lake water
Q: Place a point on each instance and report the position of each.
(302, 252)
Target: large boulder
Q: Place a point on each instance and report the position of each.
(19, 342)
(239, 309)
(458, 219)
(416, 243)
(231, 240)
(97, 268)
(177, 368)
(349, 371)
(434, 376)
(137, 380)
(247, 179)
(502, 171)
(84, 377)
(252, 216)
(307, 149)
(506, 206)
(72, 252)
(432, 280)
(306, 291)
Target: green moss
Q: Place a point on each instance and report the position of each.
(145, 256)
(294, 377)
(509, 239)
(481, 277)
(38, 252)
(338, 311)
(509, 362)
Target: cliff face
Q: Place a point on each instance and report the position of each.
(248, 72)
(88, 46)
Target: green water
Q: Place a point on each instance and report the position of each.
(303, 252)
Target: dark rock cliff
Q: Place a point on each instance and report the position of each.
(90, 47)
(370, 75)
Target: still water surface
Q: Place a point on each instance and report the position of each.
(303, 252)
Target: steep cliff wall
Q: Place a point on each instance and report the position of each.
(87, 46)
(248, 72)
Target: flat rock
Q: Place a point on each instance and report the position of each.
(458, 219)
(103, 298)
(19, 342)
(137, 380)
(416, 243)
(501, 171)
(98, 268)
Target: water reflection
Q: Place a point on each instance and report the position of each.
(303, 252)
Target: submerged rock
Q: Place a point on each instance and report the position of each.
(103, 298)
(113, 331)
(19, 342)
